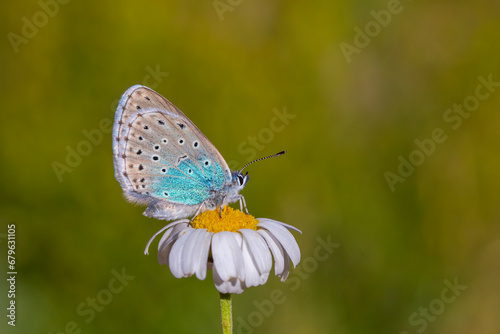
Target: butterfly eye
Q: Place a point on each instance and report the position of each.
(242, 179)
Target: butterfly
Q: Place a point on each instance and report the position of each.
(164, 161)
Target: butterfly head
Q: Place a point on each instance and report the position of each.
(238, 182)
(240, 179)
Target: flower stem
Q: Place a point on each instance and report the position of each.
(226, 311)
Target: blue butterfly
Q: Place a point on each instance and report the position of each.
(164, 161)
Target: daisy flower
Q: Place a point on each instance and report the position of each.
(238, 248)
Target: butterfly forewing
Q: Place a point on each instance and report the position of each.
(159, 154)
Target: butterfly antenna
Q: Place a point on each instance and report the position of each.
(271, 156)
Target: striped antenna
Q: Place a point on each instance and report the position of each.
(271, 156)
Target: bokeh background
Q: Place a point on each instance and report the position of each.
(232, 67)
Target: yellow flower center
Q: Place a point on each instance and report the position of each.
(229, 220)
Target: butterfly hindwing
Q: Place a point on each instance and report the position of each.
(161, 158)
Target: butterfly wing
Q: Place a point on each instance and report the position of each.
(161, 158)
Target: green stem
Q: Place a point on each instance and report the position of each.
(226, 311)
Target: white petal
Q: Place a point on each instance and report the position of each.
(227, 255)
(176, 254)
(258, 249)
(281, 258)
(167, 241)
(284, 237)
(290, 227)
(163, 249)
(252, 276)
(276, 249)
(193, 251)
(257, 258)
(201, 269)
(286, 268)
(234, 285)
(166, 227)
(174, 234)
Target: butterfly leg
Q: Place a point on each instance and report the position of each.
(198, 211)
(243, 203)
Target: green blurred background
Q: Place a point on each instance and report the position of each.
(232, 67)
